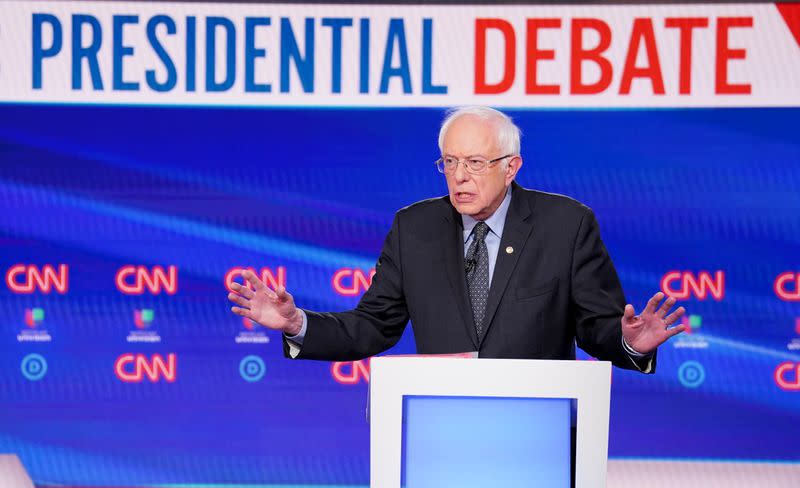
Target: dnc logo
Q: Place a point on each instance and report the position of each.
(33, 367)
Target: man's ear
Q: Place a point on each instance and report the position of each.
(514, 164)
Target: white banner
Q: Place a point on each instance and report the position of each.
(367, 55)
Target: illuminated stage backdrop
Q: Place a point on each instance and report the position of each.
(150, 152)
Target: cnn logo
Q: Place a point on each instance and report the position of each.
(135, 280)
(29, 278)
(787, 376)
(351, 281)
(682, 285)
(787, 286)
(350, 372)
(271, 278)
(135, 368)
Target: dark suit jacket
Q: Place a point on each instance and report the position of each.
(556, 287)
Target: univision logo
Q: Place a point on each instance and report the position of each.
(692, 323)
(248, 324)
(253, 333)
(33, 332)
(143, 318)
(33, 317)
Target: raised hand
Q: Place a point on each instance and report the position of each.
(272, 309)
(645, 332)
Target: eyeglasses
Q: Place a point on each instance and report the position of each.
(474, 165)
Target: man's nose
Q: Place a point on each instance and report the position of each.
(461, 175)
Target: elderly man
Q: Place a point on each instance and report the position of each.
(492, 267)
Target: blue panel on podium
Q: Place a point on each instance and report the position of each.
(486, 441)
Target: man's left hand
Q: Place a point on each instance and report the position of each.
(645, 332)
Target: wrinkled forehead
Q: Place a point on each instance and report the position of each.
(470, 135)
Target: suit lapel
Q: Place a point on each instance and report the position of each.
(453, 256)
(515, 234)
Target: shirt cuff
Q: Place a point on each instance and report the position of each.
(633, 352)
(295, 342)
(643, 362)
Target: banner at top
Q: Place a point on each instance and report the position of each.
(388, 55)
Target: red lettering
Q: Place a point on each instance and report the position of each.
(350, 372)
(578, 55)
(725, 53)
(272, 279)
(535, 55)
(642, 31)
(685, 26)
(700, 286)
(781, 377)
(153, 369)
(782, 291)
(505, 28)
(359, 283)
(34, 279)
(143, 278)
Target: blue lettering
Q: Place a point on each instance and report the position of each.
(397, 33)
(39, 53)
(251, 53)
(336, 26)
(427, 60)
(172, 74)
(191, 53)
(290, 51)
(120, 51)
(212, 84)
(363, 84)
(79, 52)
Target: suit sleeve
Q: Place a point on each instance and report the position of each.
(377, 322)
(598, 300)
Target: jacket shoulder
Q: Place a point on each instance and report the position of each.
(557, 205)
(424, 210)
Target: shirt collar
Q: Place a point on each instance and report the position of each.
(496, 222)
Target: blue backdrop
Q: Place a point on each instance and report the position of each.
(314, 190)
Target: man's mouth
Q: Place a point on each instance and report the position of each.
(463, 196)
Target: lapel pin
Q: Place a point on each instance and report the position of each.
(509, 250)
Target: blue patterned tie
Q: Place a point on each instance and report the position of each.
(477, 260)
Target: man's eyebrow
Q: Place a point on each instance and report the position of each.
(468, 156)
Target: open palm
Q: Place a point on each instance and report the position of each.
(272, 309)
(645, 332)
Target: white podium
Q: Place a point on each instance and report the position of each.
(441, 422)
(12, 473)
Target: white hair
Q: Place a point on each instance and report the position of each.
(508, 134)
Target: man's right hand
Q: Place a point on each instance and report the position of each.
(272, 309)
